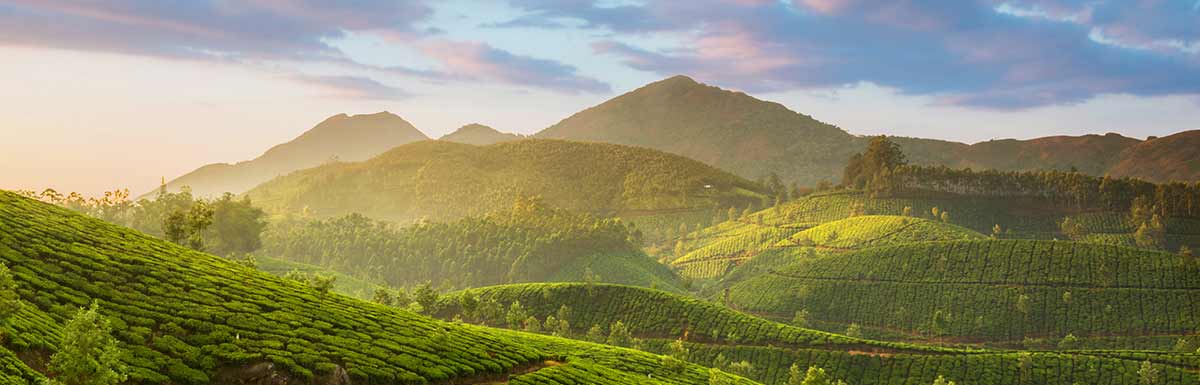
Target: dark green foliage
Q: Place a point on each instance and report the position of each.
(528, 242)
(10, 301)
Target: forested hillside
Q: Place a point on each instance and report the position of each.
(338, 138)
(528, 242)
(439, 180)
(755, 138)
(183, 317)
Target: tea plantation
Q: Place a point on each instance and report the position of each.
(183, 317)
(716, 336)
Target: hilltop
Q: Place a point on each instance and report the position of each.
(1162, 159)
(185, 317)
(479, 134)
(754, 138)
(440, 180)
(339, 138)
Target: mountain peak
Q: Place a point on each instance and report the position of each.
(478, 134)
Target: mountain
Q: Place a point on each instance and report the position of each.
(440, 180)
(754, 138)
(730, 130)
(184, 317)
(1175, 157)
(479, 134)
(340, 137)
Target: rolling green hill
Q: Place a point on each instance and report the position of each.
(184, 317)
(878, 230)
(442, 180)
(718, 336)
(340, 137)
(987, 291)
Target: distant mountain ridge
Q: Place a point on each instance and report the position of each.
(479, 134)
(340, 137)
(753, 138)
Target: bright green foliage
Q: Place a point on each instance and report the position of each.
(715, 258)
(88, 353)
(880, 230)
(183, 316)
(528, 242)
(999, 290)
(1147, 373)
(941, 380)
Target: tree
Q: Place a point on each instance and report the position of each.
(1068, 342)
(946, 216)
(1072, 229)
(1023, 304)
(795, 376)
(816, 376)
(997, 231)
(595, 334)
(716, 377)
(619, 335)
(322, 282)
(679, 250)
(236, 226)
(854, 331)
(1147, 373)
(186, 227)
(941, 380)
(741, 368)
(732, 214)
(1152, 234)
(88, 353)
(800, 319)
(383, 296)
(1185, 253)
(10, 301)
(532, 325)
(469, 303)
(427, 296)
(675, 360)
(516, 315)
(907, 211)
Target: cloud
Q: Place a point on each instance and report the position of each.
(480, 61)
(352, 87)
(274, 31)
(978, 53)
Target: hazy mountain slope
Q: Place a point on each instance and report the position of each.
(441, 180)
(341, 137)
(753, 138)
(730, 130)
(1175, 157)
(185, 317)
(479, 134)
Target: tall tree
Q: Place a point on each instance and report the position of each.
(88, 353)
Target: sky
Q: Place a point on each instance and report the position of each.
(97, 95)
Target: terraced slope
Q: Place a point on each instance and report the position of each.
(190, 318)
(988, 291)
(878, 230)
(715, 335)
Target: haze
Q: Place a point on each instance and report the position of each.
(121, 94)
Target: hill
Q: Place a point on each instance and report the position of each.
(479, 134)
(718, 336)
(1162, 159)
(878, 230)
(754, 138)
(730, 130)
(340, 137)
(987, 291)
(528, 242)
(184, 317)
(443, 180)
